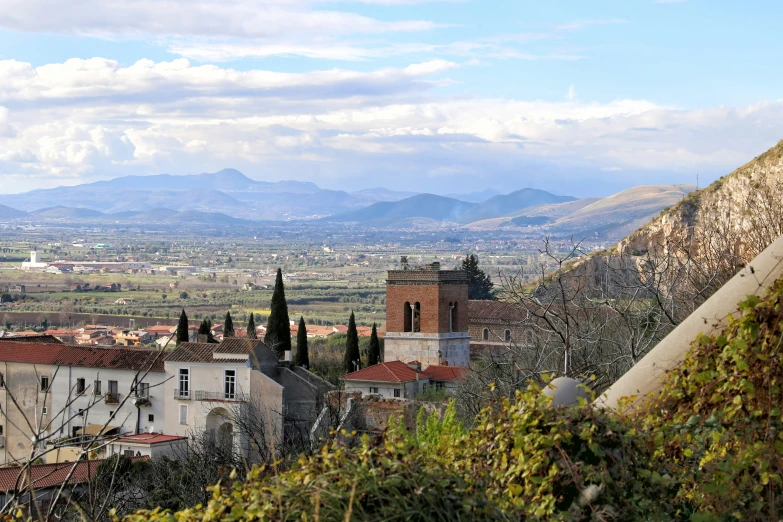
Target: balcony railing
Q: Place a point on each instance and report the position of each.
(202, 395)
(112, 398)
(183, 395)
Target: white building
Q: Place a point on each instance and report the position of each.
(35, 262)
(108, 390)
(239, 391)
(153, 445)
(399, 380)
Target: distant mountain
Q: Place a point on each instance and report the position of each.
(475, 197)
(438, 208)
(625, 211)
(208, 218)
(11, 213)
(376, 195)
(61, 212)
(513, 202)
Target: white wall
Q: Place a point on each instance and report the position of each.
(203, 377)
(96, 410)
(408, 390)
(169, 449)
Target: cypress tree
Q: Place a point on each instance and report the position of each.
(352, 348)
(228, 326)
(251, 327)
(182, 328)
(374, 351)
(205, 328)
(479, 283)
(302, 356)
(278, 327)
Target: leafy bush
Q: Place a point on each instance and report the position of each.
(708, 447)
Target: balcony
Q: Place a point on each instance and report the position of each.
(112, 398)
(182, 395)
(202, 395)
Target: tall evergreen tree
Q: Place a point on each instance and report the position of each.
(205, 328)
(278, 327)
(251, 327)
(352, 360)
(479, 283)
(228, 326)
(302, 355)
(374, 351)
(182, 328)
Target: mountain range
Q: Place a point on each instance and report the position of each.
(228, 197)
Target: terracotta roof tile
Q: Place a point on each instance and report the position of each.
(203, 352)
(33, 353)
(495, 311)
(50, 475)
(445, 373)
(111, 358)
(38, 338)
(394, 371)
(148, 438)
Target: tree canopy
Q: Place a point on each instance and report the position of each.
(251, 327)
(479, 284)
(302, 355)
(228, 326)
(374, 350)
(353, 359)
(182, 328)
(278, 326)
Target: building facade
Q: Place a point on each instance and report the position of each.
(427, 316)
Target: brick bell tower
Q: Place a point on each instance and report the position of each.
(427, 316)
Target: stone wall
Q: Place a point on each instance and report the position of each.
(407, 347)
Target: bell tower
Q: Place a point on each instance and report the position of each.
(427, 316)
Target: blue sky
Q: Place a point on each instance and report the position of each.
(582, 98)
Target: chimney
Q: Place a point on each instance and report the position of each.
(287, 356)
(444, 363)
(415, 365)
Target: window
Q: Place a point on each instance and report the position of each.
(1, 429)
(373, 389)
(229, 384)
(111, 413)
(184, 383)
(150, 418)
(143, 389)
(507, 336)
(44, 383)
(406, 314)
(183, 413)
(485, 334)
(2, 381)
(397, 393)
(80, 386)
(44, 410)
(417, 317)
(453, 326)
(96, 387)
(113, 395)
(81, 412)
(128, 453)
(75, 431)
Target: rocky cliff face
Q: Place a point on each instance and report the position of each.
(742, 211)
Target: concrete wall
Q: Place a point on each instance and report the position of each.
(22, 382)
(407, 347)
(97, 410)
(267, 399)
(163, 449)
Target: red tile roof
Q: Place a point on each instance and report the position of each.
(445, 373)
(32, 353)
(148, 438)
(394, 371)
(50, 475)
(203, 352)
(495, 312)
(111, 358)
(36, 338)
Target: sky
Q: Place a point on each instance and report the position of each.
(582, 97)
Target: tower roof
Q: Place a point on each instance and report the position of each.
(426, 275)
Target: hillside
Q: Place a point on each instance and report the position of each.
(11, 213)
(513, 202)
(430, 206)
(61, 212)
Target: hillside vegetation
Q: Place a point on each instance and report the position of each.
(708, 448)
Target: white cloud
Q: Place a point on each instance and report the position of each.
(85, 119)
